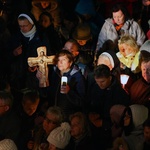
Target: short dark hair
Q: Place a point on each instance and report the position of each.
(64, 53)
(102, 71)
(123, 8)
(31, 95)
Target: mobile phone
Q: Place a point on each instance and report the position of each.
(64, 80)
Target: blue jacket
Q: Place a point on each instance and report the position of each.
(72, 101)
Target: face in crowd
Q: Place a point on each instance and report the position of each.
(25, 25)
(118, 17)
(145, 68)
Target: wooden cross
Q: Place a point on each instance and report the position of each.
(42, 61)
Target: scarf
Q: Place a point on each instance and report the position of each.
(30, 34)
(117, 27)
(131, 61)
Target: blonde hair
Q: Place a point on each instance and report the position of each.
(130, 41)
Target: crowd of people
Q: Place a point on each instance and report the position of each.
(61, 66)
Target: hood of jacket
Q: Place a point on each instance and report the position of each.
(139, 114)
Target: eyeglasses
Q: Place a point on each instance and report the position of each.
(50, 121)
(24, 26)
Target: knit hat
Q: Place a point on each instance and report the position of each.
(60, 136)
(7, 144)
(82, 32)
(146, 46)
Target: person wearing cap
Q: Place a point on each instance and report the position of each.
(24, 44)
(103, 91)
(119, 24)
(84, 36)
(7, 144)
(59, 138)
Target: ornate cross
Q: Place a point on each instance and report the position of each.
(42, 61)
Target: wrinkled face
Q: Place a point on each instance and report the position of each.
(76, 128)
(72, 48)
(105, 61)
(25, 25)
(45, 21)
(50, 122)
(63, 63)
(45, 4)
(127, 119)
(103, 82)
(29, 107)
(146, 2)
(118, 17)
(82, 42)
(125, 49)
(147, 134)
(145, 68)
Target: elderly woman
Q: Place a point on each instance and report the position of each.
(118, 25)
(80, 132)
(68, 97)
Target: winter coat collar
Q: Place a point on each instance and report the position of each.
(126, 25)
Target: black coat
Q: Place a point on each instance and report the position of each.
(101, 100)
(73, 100)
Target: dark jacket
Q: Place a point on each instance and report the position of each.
(140, 92)
(21, 77)
(73, 100)
(84, 143)
(101, 100)
(10, 126)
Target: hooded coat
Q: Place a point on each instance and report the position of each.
(136, 136)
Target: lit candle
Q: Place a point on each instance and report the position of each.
(124, 79)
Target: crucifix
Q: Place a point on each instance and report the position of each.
(42, 61)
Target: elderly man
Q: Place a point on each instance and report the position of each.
(140, 90)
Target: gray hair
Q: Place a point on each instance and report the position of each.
(57, 112)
